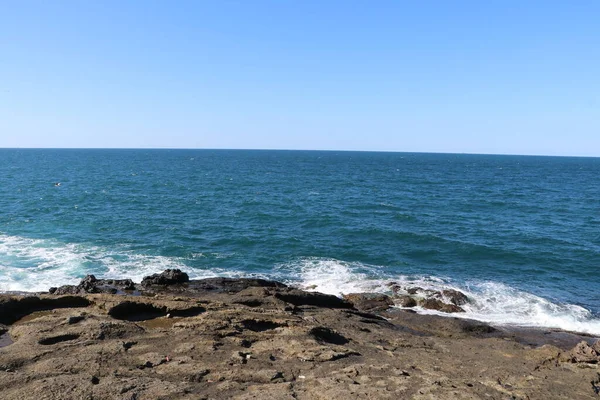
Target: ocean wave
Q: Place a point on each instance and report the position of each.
(491, 302)
(34, 265)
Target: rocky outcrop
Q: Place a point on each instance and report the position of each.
(90, 284)
(447, 300)
(405, 301)
(369, 301)
(583, 353)
(254, 339)
(167, 277)
(13, 308)
(438, 305)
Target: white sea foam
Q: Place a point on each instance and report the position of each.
(491, 302)
(35, 265)
(32, 265)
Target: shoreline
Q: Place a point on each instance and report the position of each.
(130, 289)
(222, 338)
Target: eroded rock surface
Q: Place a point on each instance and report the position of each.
(254, 339)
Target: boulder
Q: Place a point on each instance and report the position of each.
(167, 277)
(455, 297)
(91, 284)
(583, 353)
(439, 305)
(405, 301)
(369, 301)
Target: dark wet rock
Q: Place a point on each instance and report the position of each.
(15, 308)
(259, 325)
(440, 325)
(231, 285)
(476, 328)
(91, 284)
(136, 311)
(327, 335)
(301, 298)
(369, 301)
(439, 305)
(405, 301)
(167, 277)
(414, 290)
(447, 300)
(201, 287)
(75, 319)
(455, 297)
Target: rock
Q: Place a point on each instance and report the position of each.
(167, 277)
(324, 334)
(369, 301)
(436, 304)
(13, 308)
(75, 319)
(582, 353)
(301, 298)
(90, 284)
(231, 285)
(324, 349)
(405, 301)
(415, 290)
(455, 297)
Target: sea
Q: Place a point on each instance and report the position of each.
(520, 235)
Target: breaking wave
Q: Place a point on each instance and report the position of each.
(33, 265)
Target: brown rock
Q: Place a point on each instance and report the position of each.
(582, 353)
(405, 301)
(436, 304)
(455, 297)
(126, 348)
(167, 277)
(369, 301)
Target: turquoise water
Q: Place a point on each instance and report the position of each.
(519, 234)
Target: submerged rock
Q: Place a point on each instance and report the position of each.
(447, 300)
(455, 297)
(405, 301)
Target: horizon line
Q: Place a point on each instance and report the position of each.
(314, 150)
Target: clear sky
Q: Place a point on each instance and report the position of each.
(517, 77)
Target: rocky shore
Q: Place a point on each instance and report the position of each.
(171, 338)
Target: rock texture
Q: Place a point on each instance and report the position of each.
(448, 300)
(255, 339)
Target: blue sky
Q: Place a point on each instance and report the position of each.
(515, 77)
